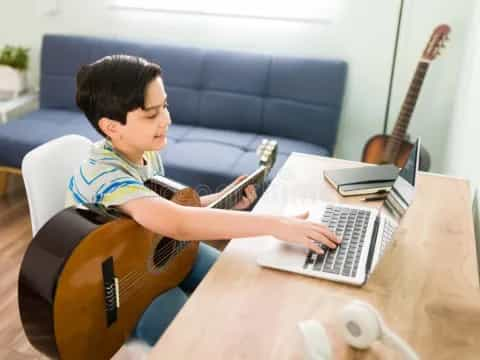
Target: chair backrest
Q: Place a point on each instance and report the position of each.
(476, 223)
(46, 171)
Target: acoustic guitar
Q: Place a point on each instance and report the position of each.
(89, 273)
(395, 148)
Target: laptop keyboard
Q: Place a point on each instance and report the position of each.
(351, 226)
(388, 230)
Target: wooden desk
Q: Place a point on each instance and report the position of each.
(426, 286)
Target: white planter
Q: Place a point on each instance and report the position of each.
(12, 82)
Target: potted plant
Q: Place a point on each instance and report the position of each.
(13, 66)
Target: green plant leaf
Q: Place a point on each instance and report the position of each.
(16, 57)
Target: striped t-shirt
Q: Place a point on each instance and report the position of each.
(108, 178)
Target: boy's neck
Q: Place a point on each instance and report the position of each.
(133, 155)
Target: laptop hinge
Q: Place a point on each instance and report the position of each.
(373, 243)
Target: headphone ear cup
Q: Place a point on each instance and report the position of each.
(359, 325)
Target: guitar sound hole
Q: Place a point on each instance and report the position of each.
(164, 251)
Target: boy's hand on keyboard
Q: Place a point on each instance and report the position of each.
(298, 230)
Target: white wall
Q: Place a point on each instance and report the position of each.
(362, 33)
(463, 146)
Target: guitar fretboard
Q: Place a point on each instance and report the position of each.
(400, 129)
(229, 199)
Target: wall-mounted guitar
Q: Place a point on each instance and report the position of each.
(388, 149)
(88, 274)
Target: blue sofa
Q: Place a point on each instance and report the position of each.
(222, 104)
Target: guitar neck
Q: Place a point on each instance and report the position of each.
(409, 103)
(232, 196)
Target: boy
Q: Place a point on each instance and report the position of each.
(124, 99)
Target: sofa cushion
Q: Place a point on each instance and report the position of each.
(19, 136)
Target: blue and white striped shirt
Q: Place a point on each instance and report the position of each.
(108, 178)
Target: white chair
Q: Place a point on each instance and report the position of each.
(46, 171)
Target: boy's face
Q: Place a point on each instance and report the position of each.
(146, 130)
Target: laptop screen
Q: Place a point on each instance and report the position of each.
(401, 195)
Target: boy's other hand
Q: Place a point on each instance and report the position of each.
(249, 194)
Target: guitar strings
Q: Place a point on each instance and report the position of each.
(158, 257)
(141, 274)
(128, 276)
(126, 293)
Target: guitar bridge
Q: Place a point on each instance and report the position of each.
(111, 291)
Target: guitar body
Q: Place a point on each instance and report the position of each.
(375, 148)
(65, 292)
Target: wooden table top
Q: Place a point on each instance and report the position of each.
(426, 286)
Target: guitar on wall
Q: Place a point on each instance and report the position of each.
(395, 148)
(89, 274)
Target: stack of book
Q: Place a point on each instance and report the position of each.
(362, 180)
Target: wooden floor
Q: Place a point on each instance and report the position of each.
(15, 235)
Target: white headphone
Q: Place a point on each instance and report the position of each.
(361, 325)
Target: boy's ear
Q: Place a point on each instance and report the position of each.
(108, 126)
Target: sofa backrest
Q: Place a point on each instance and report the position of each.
(294, 97)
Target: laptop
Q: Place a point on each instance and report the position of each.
(365, 232)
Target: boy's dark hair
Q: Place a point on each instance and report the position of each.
(113, 86)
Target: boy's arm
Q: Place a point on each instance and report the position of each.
(195, 223)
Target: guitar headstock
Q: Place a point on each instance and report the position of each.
(436, 42)
(267, 151)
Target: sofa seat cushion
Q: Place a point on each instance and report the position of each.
(19, 136)
(243, 140)
(209, 159)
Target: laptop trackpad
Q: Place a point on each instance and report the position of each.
(285, 255)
